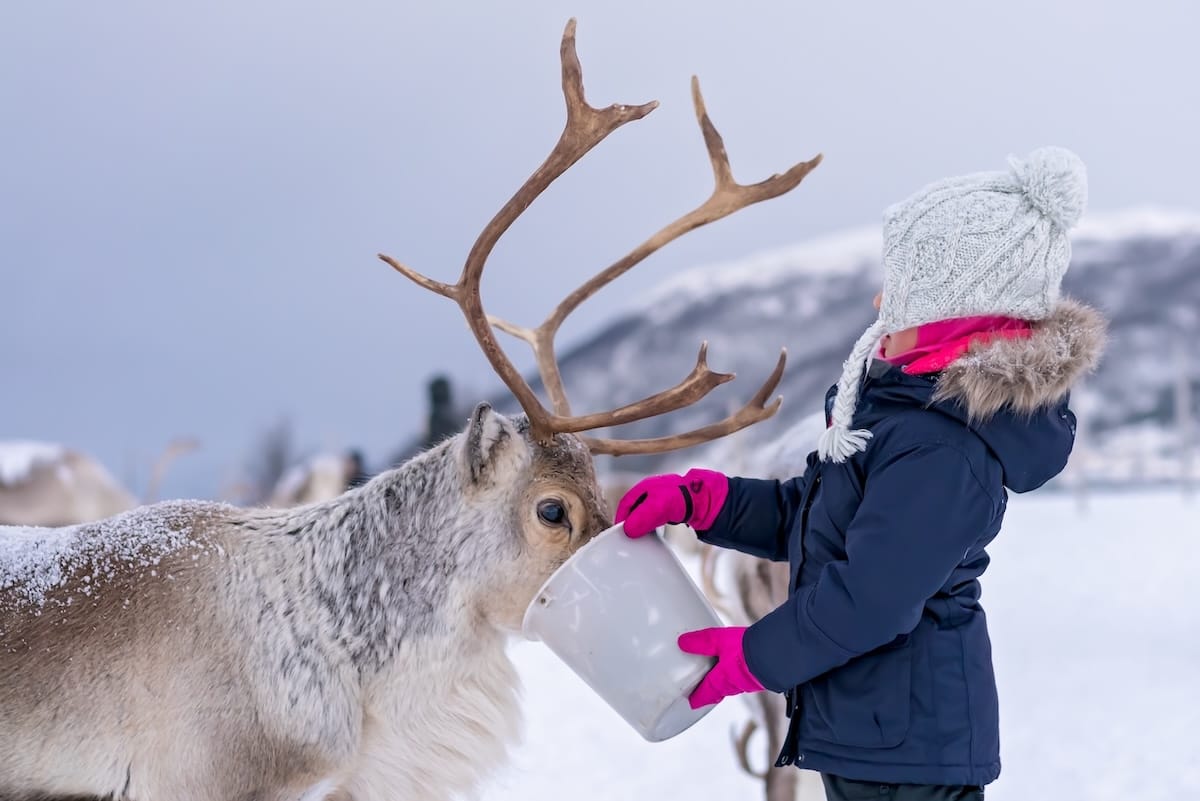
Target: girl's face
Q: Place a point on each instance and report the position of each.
(898, 342)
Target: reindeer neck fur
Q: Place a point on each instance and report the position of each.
(405, 557)
(394, 577)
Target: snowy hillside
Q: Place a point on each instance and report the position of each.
(1096, 645)
(1141, 268)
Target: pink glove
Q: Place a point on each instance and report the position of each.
(695, 499)
(730, 676)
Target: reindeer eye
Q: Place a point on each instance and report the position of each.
(552, 513)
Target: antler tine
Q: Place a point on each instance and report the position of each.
(585, 123)
(714, 143)
(729, 191)
(741, 747)
(445, 290)
(512, 329)
(586, 127)
(546, 359)
(754, 411)
(727, 197)
(698, 383)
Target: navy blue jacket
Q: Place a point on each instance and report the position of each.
(882, 646)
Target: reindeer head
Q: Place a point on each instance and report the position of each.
(538, 501)
(537, 472)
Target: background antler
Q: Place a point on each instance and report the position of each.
(585, 128)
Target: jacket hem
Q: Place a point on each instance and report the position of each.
(886, 773)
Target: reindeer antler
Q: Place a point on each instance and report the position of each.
(585, 128)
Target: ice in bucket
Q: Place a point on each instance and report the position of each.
(613, 613)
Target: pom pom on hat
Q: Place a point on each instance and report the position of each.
(1054, 181)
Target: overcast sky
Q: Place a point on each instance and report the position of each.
(192, 194)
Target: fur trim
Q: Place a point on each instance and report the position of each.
(1029, 373)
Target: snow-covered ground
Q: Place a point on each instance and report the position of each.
(1096, 630)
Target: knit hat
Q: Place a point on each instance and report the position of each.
(990, 243)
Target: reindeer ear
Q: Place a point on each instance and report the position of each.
(490, 442)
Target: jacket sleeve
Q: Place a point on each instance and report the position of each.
(922, 510)
(757, 517)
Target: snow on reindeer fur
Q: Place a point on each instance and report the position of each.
(36, 561)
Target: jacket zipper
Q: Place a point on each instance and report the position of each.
(787, 754)
(808, 502)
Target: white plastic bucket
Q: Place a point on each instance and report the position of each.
(613, 613)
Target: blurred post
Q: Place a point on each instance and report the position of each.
(1184, 417)
(444, 420)
(1081, 404)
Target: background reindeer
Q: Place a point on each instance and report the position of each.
(319, 478)
(44, 484)
(274, 476)
(352, 649)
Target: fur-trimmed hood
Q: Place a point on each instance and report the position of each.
(1012, 394)
(1030, 373)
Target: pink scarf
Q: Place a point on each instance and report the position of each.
(940, 343)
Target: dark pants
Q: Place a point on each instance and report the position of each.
(839, 789)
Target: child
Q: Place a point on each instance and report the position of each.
(882, 647)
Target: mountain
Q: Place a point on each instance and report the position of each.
(1141, 268)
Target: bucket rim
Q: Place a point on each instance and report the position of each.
(533, 603)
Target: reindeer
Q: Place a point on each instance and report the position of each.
(319, 478)
(352, 649)
(49, 485)
(43, 484)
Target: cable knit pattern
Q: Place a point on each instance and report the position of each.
(989, 243)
